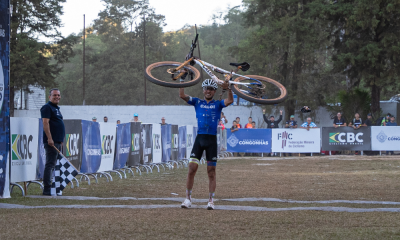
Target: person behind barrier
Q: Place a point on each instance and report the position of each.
(291, 123)
(271, 123)
(135, 118)
(223, 118)
(339, 121)
(249, 124)
(163, 121)
(221, 125)
(234, 127)
(253, 124)
(94, 119)
(53, 136)
(105, 119)
(392, 123)
(368, 122)
(118, 121)
(309, 124)
(357, 122)
(208, 112)
(238, 122)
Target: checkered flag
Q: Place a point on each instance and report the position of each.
(64, 172)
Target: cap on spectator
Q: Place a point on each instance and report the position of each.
(291, 116)
(369, 114)
(272, 116)
(136, 115)
(389, 114)
(105, 117)
(94, 118)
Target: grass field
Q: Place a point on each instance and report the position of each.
(290, 182)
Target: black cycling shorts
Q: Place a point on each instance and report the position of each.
(209, 144)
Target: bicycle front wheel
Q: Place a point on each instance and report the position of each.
(160, 74)
(260, 90)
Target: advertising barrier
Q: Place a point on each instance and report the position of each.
(166, 138)
(24, 148)
(123, 145)
(346, 138)
(287, 140)
(41, 162)
(182, 142)
(72, 148)
(4, 98)
(249, 140)
(189, 139)
(91, 141)
(146, 143)
(136, 139)
(156, 151)
(385, 138)
(108, 135)
(174, 142)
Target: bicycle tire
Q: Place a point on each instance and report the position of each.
(176, 84)
(250, 98)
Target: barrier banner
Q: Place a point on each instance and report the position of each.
(4, 98)
(249, 140)
(166, 138)
(156, 151)
(108, 134)
(287, 140)
(136, 139)
(385, 138)
(146, 143)
(91, 141)
(41, 162)
(189, 139)
(123, 145)
(72, 147)
(182, 143)
(174, 142)
(24, 148)
(346, 138)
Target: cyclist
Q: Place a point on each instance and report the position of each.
(208, 112)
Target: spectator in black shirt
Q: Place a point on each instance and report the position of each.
(53, 137)
(105, 119)
(291, 123)
(368, 122)
(234, 127)
(339, 121)
(271, 123)
(357, 122)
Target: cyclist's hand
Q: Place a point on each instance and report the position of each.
(225, 85)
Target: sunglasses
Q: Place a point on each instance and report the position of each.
(208, 88)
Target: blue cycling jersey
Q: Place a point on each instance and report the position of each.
(207, 114)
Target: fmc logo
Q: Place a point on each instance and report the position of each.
(284, 136)
(72, 144)
(106, 144)
(135, 142)
(342, 137)
(20, 147)
(156, 141)
(174, 141)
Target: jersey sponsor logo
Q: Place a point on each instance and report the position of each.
(207, 106)
(20, 148)
(106, 146)
(342, 138)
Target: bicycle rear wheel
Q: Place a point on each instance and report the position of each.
(157, 73)
(258, 90)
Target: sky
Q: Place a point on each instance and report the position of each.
(190, 12)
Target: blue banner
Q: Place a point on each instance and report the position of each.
(4, 97)
(250, 140)
(123, 145)
(91, 141)
(41, 153)
(166, 137)
(182, 143)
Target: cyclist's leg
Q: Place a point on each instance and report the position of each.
(195, 157)
(212, 155)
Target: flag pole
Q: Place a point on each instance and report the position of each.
(65, 158)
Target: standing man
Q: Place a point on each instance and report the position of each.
(271, 123)
(118, 121)
(368, 122)
(291, 123)
(54, 132)
(309, 124)
(105, 119)
(163, 121)
(135, 118)
(208, 113)
(94, 119)
(339, 121)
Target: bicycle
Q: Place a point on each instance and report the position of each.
(251, 87)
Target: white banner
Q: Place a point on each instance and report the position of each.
(108, 136)
(156, 148)
(189, 139)
(24, 148)
(289, 140)
(385, 138)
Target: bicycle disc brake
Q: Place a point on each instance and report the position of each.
(258, 90)
(173, 71)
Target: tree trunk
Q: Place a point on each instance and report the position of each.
(375, 99)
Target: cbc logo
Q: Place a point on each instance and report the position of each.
(106, 145)
(72, 144)
(174, 140)
(156, 141)
(346, 137)
(21, 147)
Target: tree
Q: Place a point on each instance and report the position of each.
(366, 40)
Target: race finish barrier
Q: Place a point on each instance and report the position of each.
(346, 138)
(249, 141)
(287, 140)
(385, 138)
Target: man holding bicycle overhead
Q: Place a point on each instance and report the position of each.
(208, 113)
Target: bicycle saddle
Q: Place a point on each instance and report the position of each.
(244, 65)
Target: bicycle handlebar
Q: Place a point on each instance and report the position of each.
(193, 46)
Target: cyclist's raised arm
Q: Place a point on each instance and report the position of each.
(228, 101)
(183, 95)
